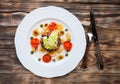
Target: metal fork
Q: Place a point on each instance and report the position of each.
(89, 37)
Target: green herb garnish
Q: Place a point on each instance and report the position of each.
(32, 52)
(31, 37)
(66, 54)
(39, 59)
(41, 25)
(66, 29)
(54, 60)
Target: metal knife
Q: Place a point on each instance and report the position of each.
(95, 37)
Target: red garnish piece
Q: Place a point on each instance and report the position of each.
(34, 42)
(67, 45)
(46, 58)
(52, 26)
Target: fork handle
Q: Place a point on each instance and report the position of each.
(85, 58)
(98, 57)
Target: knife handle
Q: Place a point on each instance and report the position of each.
(99, 58)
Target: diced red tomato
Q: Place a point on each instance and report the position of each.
(52, 26)
(34, 42)
(67, 45)
(46, 58)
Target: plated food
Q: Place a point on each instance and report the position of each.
(51, 39)
(50, 42)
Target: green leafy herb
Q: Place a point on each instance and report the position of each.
(66, 29)
(54, 60)
(66, 54)
(32, 52)
(31, 37)
(41, 25)
(39, 59)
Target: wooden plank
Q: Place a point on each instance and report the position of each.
(107, 22)
(9, 7)
(11, 14)
(73, 78)
(69, 1)
(7, 33)
(10, 64)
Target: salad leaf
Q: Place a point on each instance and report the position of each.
(52, 41)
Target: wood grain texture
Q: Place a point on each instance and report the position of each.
(12, 13)
(61, 1)
(107, 14)
(72, 78)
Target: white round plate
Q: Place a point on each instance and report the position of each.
(22, 36)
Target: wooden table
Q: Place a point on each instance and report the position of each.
(108, 26)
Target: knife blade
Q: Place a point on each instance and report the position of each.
(95, 37)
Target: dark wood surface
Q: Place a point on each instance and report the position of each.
(108, 26)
